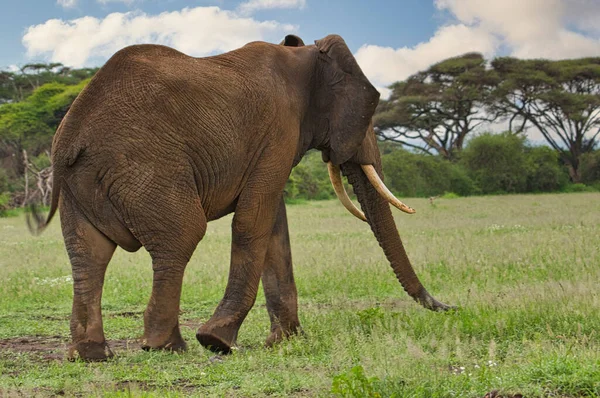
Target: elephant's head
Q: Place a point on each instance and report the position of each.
(339, 121)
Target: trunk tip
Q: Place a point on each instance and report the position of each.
(429, 302)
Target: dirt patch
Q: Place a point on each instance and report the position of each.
(118, 346)
(125, 314)
(54, 348)
(35, 392)
(133, 385)
(192, 323)
(48, 348)
(137, 387)
(496, 394)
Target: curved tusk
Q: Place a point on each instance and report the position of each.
(335, 175)
(383, 190)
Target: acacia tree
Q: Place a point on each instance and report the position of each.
(434, 110)
(30, 124)
(13, 87)
(561, 99)
(16, 86)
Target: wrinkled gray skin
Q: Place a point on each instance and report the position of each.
(160, 143)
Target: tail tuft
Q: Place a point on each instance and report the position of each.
(36, 222)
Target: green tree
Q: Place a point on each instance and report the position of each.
(15, 86)
(561, 99)
(435, 110)
(497, 162)
(30, 124)
(544, 170)
(420, 175)
(590, 168)
(309, 179)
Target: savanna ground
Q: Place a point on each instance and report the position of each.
(525, 271)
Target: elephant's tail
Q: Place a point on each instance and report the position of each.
(36, 222)
(67, 147)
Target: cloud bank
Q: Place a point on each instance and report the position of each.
(67, 3)
(196, 31)
(254, 5)
(552, 29)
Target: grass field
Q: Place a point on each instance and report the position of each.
(525, 271)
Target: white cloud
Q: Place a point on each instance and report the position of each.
(384, 92)
(194, 31)
(253, 5)
(67, 3)
(534, 28)
(128, 2)
(386, 65)
(552, 29)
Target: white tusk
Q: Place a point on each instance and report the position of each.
(383, 190)
(335, 175)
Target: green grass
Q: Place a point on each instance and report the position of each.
(525, 271)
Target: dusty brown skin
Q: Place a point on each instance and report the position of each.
(160, 143)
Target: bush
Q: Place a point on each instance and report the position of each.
(4, 201)
(579, 188)
(450, 195)
(41, 161)
(4, 183)
(355, 383)
(460, 182)
(401, 172)
(544, 172)
(497, 163)
(589, 168)
(410, 174)
(309, 180)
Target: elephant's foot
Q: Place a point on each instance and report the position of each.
(219, 339)
(278, 334)
(91, 351)
(174, 342)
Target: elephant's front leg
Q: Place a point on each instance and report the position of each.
(252, 226)
(278, 282)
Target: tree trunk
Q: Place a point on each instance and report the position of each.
(574, 174)
(26, 174)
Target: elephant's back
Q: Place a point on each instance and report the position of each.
(154, 114)
(153, 93)
(121, 109)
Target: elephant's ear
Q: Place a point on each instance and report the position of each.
(292, 41)
(351, 98)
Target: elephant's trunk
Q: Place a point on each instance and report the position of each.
(379, 216)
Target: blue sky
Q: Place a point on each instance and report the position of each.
(391, 39)
(359, 22)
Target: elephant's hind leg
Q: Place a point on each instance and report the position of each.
(161, 318)
(89, 252)
(278, 282)
(170, 238)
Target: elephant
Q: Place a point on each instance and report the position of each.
(159, 143)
